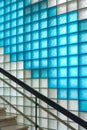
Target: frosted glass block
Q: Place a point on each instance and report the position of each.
(43, 43)
(72, 5)
(83, 94)
(20, 56)
(43, 24)
(27, 65)
(35, 54)
(73, 49)
(51, 3)
(83, 25)
(35, 64)
(62, 51)
(27, 19)
(62, 83)
(35, 17)
(35, 8)
(52, 62)
(73, 105)
(43, 33)
(27, 46)
(73, 94)
(43, 63)
(51, 11)
(35, 26)
(27, 55)
(83, 60)
(73, 38)
(72, 16)
(1, 91)
(43, 73)
(7, 66)
(35, 35)
(20, 30)
(13, 58)
(34, 1)
(73, 72)
(52, 32)
(52, 83)
(20, 13)
(52, 22)
(62, 19)
(13, 49)
(52, 73)
(20, 65)
(62, 72)
(62, 94)
(7, 50)
(83, 82)
(83, 106)
(61, 9)
(82, 14)
(52, 52)
(72, 83)
(52, 42)
(43, 53)
(62, 30)
(82, 3)
(62, 40)
(73, 27)
(1, 50)
(62, 61)
(35, 73)
(1, 59)
(43, 83)
(83, 71)
(27, 37)
(83, 37)
(83, 48)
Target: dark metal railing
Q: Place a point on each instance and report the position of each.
(60, 109)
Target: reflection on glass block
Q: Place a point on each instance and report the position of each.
(62, 30)
(43, 53)
(73, 38)
(52, 83)
(35, 64)
(62, 72)
(52, 62)
(83, 48)
(52, 22)
(13, 57)
(83, 82)
(35, 54)
(73, 60)
(35, 73)
(72, 16)
(83, 37)
(52, 32)
(62, 83)
(52, 52)
(83, 94)
(20, 57)
(62, 61)
(72, 83)
(62, 40)
(43, 34)
(62, 51)
(43, 63)
(62, 93)
(52, 42)
(83, 71)
(73, 94)
(83, 25)
(27, 65)
(52, 12)
(43, 24)
(52, 73)
(27, 55)
(73, 27)
(73, 49)
(73, 72)
(62, 19)
(43, 73)
(83, 106)
(83, 60)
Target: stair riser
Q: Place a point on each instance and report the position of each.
(8, 122)
(3, 113)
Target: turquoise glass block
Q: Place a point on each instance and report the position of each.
(52, 52)
(52, 62)
(1, 11)
(73, 49)
(43, 53)
(83, 106)
(72, 16)
(35, 45)
(20, 57)
(52, 42)
(62, 83)
(73, 27)
(27, 2)
(62, 19)
(35, 73)
(27, 10)
(7, 33)
(83, 60)
(72, 71)
(1, 19)
(19, 47)
(35, 54)
(27, 28)
(62, 30)
(35, 35)
(43, 43)
(62, 61)
(62, 72)
(73, 60)
(13, 7)
(73, 38)
(13, 24)
(13, 40)
(35, 64)
(27, 19)
(6, 42)
(7, 9)
(43, 14)
(43, 33)
(13, 57)
(7, 50)
(27, 65)
(43, 73)
(13, 32)
(73, 94)
(62, 40)
(43, 24)
(62, 93)
(52, 22)
(35, 17)
(83, 70)
(20, 30)
(52, 83)
(83, 25)
(83, 94)
(83, 83)
(13, 49)
(62, 51)
(2, 43)
(1, 27)
(20, 13)
(83, 48)
(43, 63)
(43, 5)
(52, 11)
(35, 26)
(52, 73)
(73, 83)
(7, 2)
(52, 32)
(7, 25)
(27, 37)
(20, 4)
(27, 55)
(1, 3)
(20, 39)
(83, 37)
(35, 8)
(27, 46)
(1, 35)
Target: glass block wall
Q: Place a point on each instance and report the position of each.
(44, 43)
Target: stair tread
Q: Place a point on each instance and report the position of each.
(2, 108)
(7, 117)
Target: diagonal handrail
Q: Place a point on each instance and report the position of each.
(62, 110)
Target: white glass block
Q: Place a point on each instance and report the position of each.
(1, 65)
(73, 105)
(13, 100)
(20, 65)
(34, 1)
(20, 74)
(1, 58)
(13, 73)
(43, 123)
(28, 82)
(1, 50)
(61, 1)
(20, 100)
(83, 14)
(20, 118)
(35, 83)
(44, 92)
(52, 93)
(27, 111)
(72, 5)
(13, 66)
(43, 113)
(61, 126)
(27, 73)
(43, 83)
(63, 103)
(83, 115)
(51, 3)
(82, 3)
(61, 9)
(12, 92)
(7, 91)
(74, 125)
(7, 58)
(1, 91)
(52, 124)
(7, 66)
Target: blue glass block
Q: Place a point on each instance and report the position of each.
(52, 62)
(83, 60)
(62, 61)
(72, 16)
(7, 50)
(83, 37)
(35, 45)
(43, 33)
(7, 33)
(20, 30)
(52, 42)
(1, 43)
(7, 2)
(35, 73)
(83, 25)
(7, 25)
(13, 57)
(35, 17)
(62, 19)
(1, 27)
(83, 106)
(73, 83)
(20, 4)
(20, 38)
(1, 3)
(35, 54)
(1, 35)
(83, 71)
(52, 32)
(43, 43)
(35, 35)
(62, 51)
(52, 11)
(13, 31)
(62, 83)
(43, 5)
(62, 72)
(43, 63)
(43, 53)
(27, 28)
(62, 93)
(1, 11)
(73, 38)
(73, 27)
(35, 64)
(43, 24)
(43, 14)
(83, 94)
(13, 6)
(13, 40)
(13, 49)
(83, 83)
(20, 57)
(62, 40)
(52, 22)
(13, 24)
(27, 65)
(35, 7)
(62, 30)
(73, 61)
(27, 19)
(35, 26)
(73, 94)
(19, 47)
(83, 48)
(27, 46)
(52, 73)
(20, 13)
(27, 10)
(7, 9)
(27, 37)
(27, 2)
(6, 42)
(43, 73)
(52, 83)
(27, 55)
(1, 19)
(73, 49)
(73, 72)
(52, 52)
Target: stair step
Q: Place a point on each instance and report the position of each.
(2, 111)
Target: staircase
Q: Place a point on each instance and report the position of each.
(9, 121)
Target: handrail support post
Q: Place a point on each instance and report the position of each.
(36, 113)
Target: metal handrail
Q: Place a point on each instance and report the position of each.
(59, 108)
